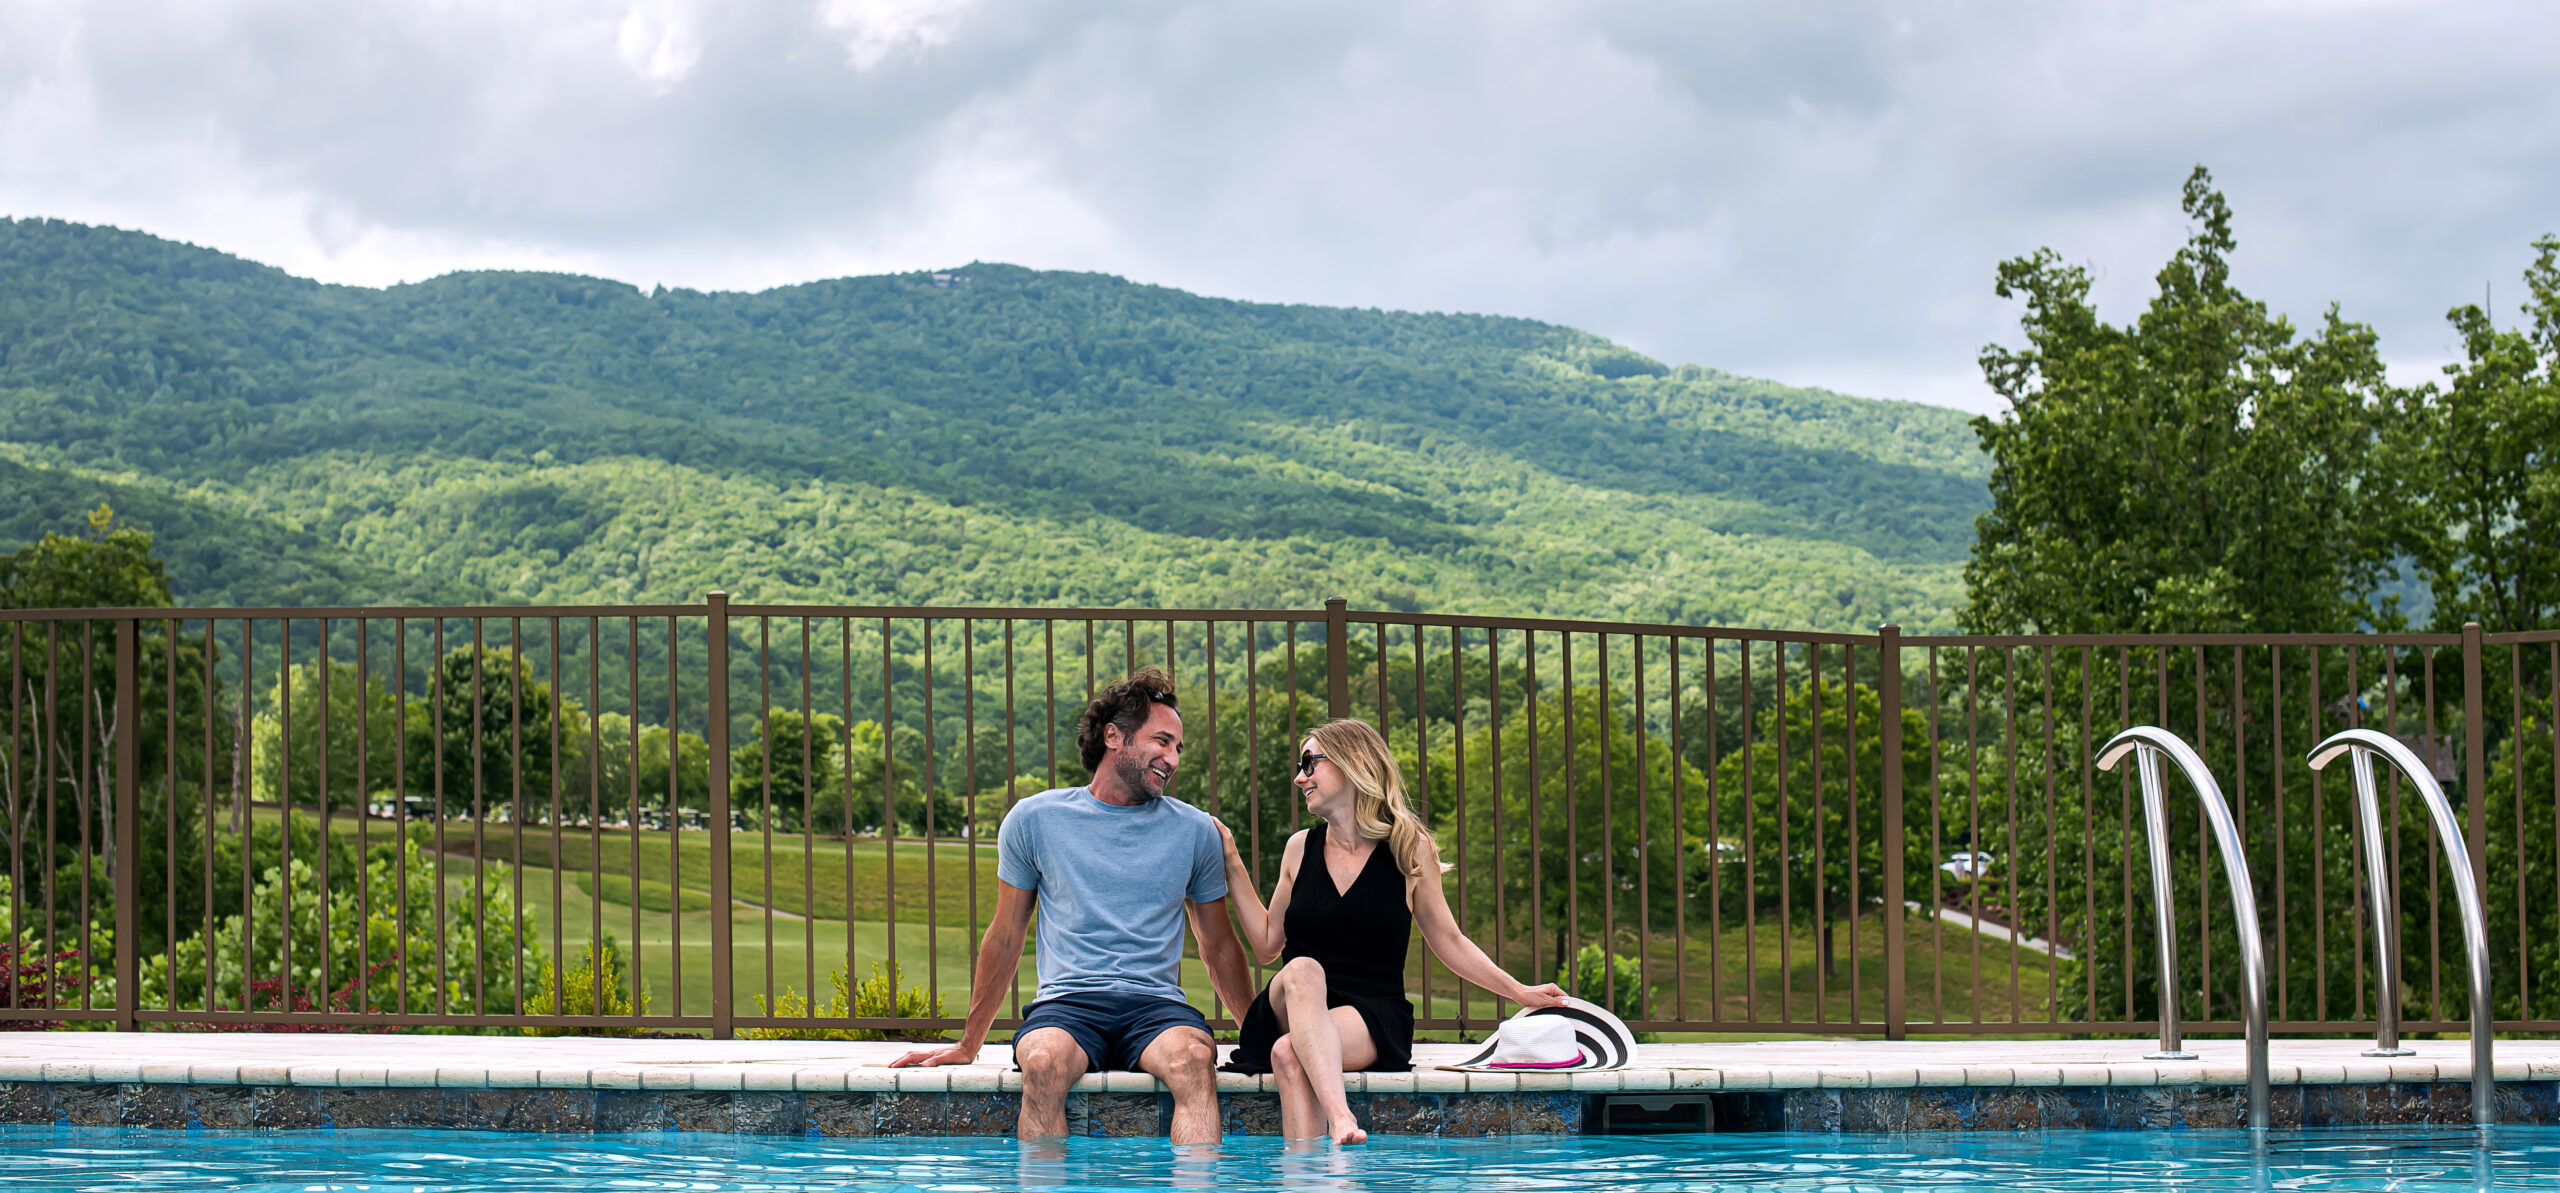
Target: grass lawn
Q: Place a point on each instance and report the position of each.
(806, 874)
(945, 954)
(1725, 978)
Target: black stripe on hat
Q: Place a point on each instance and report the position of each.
(1607, 1042)
(1491, 1042)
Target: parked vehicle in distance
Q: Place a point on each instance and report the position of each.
(1967, 865)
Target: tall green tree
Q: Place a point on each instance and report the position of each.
(362, 741)
(113, 567)
(791, 762)
(56, 772)
(868, 770)
(606, 767)
(2479, 459)
(1611, 855)
(1810, 816)
(490, 730)
(689, 760)
(2204, 468)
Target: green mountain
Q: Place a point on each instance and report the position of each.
(994, 435)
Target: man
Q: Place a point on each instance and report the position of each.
(1114, 869)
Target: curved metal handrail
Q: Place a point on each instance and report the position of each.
(2360, 745)
(2148, 744)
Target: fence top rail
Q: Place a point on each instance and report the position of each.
(1024, 613)
(1269, 616)
(352, 612)
(1952, 640)
(1582, 626)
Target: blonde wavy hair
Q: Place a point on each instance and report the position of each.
(1379, 809)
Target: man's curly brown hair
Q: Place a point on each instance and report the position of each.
(1123, 704)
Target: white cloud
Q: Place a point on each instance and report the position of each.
(871, 30)
(657, 42)
(1817, 193)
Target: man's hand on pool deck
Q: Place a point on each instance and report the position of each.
(957, 1054)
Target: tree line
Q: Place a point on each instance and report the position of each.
(2211, 467)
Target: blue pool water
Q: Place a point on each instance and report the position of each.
(46, 1158)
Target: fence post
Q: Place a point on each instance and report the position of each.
(716, 738)
(1337, 653)
(127, 843)
(2475, 762)
(1889, 743)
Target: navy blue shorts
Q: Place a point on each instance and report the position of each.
(1114, 1029)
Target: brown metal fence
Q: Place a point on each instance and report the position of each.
(715, 817)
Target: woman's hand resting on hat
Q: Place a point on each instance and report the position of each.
(1534, 997)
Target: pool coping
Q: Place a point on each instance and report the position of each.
(255, 1081)
(500, 1062)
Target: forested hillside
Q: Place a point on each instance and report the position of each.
(998, 435)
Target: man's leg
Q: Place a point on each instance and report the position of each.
(1051, 1060)
(1185, 1059)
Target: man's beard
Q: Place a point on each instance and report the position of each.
(1134, 777)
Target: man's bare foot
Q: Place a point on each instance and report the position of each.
(1346, 1131)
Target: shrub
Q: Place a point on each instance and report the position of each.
(576, 994)
(31, 978)
(880, 996)
(1595, 976)
(467, 962)
(269, 995)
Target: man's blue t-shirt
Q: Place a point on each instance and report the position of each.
(1111, 882)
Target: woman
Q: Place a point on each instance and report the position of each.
(1350, 891)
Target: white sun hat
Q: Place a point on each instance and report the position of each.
(1564, 1039)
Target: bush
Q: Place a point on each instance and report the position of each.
(880, 996)
(269, 995)
(1595, 975)
(576, 995)
(450, 964)
(31, 978)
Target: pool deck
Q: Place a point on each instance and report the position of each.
(260, 1080)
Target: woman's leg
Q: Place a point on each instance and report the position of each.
(1300, 1116)
(1356, 1052)
(1326, 1041)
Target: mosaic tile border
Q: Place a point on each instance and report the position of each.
(865, 1113)
(746, 1112)
(2126, 1108)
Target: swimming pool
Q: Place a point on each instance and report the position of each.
(2412, 1159)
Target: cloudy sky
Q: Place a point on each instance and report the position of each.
(1815, 192)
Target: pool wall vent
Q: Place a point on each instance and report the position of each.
(1652, 1114)
(2149, 745)
(2360, 746)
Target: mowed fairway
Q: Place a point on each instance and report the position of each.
(1743, 975)
(793, 874)
(1735, 974)
(798, 948)
(1763, 992)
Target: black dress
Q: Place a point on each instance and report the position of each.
(1359, 937)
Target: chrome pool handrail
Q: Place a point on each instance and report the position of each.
(2386, 908)
(2360, 745)
(2149, 744)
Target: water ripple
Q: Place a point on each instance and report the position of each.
(371, 1161)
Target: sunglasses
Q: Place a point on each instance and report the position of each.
(1307, 760)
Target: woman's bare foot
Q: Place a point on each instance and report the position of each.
(1346, 1131)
